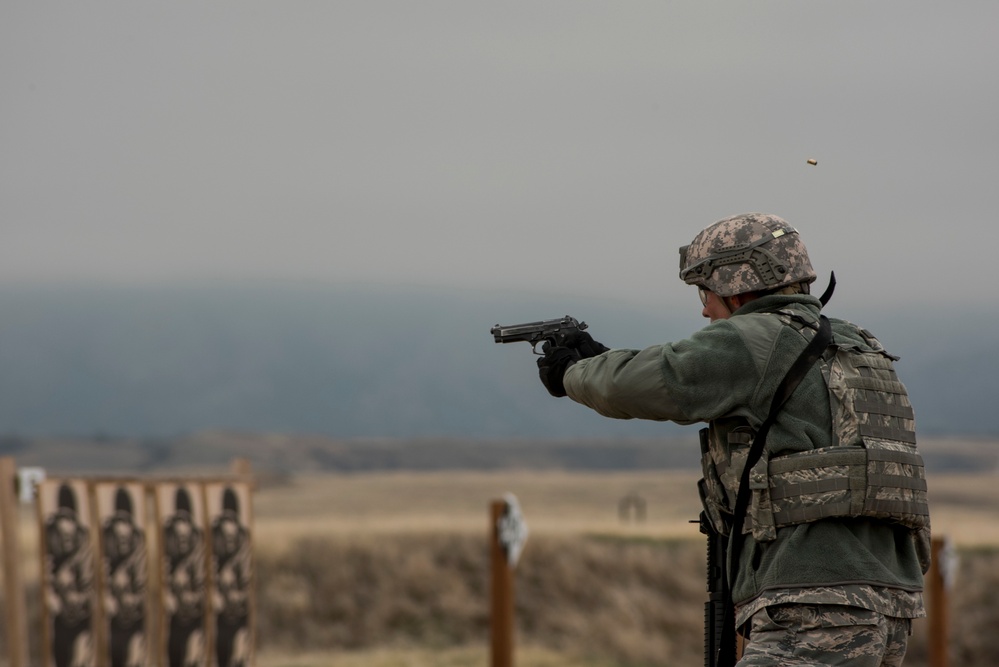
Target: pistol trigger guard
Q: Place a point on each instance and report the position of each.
(546, 343)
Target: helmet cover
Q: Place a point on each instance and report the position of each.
(749, 252)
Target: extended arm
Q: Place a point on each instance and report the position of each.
(685, 382)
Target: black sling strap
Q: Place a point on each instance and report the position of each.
(820, 341)
(824, 299)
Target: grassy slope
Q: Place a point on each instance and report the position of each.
(382, 556)
(390, 569)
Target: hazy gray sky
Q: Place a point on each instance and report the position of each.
(570, 146)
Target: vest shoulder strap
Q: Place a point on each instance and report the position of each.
(811, 354)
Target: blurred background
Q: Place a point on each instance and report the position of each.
(282, 231)
(305, 218)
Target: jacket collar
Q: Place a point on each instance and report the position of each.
(776, 302)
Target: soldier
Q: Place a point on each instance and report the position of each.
(125, 594)
(71, 584)
(184, 592)
(232, 562)
(828, 527)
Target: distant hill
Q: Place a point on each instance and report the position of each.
(362, 362)
(281, 454)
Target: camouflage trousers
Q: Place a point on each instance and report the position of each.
(805, 634)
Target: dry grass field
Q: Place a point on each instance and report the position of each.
(409, 519)
(406, 502)
(964, 506)
(390, 569)
(408, 522)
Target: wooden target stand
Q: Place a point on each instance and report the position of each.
(93, 509)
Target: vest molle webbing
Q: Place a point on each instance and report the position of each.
(873, 471)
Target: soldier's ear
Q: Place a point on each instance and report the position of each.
(737, 301)
(733, 303)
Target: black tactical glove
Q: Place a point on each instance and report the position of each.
(557, 359)
(583, 343)
(552, 367)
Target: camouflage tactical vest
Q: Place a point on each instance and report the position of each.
(871, 470)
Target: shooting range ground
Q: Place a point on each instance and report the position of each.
(385, 569)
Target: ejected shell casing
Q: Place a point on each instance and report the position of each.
(812, 161)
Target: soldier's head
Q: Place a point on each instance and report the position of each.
(740, 258)
(120, 532)
(180, 532)
(66, 535)
(64, 538)
(227, 530)
(121, 541)
(179, 537)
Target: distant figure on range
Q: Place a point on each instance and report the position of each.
(810, 469)
(231, 557)
(125, 558)
(184, 548)
(71, 583)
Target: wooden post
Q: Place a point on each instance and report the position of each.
(16, 609)
(938, 613)
(501, 619)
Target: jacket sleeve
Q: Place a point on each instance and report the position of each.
(709, 375)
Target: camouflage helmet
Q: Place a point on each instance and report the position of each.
(746, 253)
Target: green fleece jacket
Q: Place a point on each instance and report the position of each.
(731, 368)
